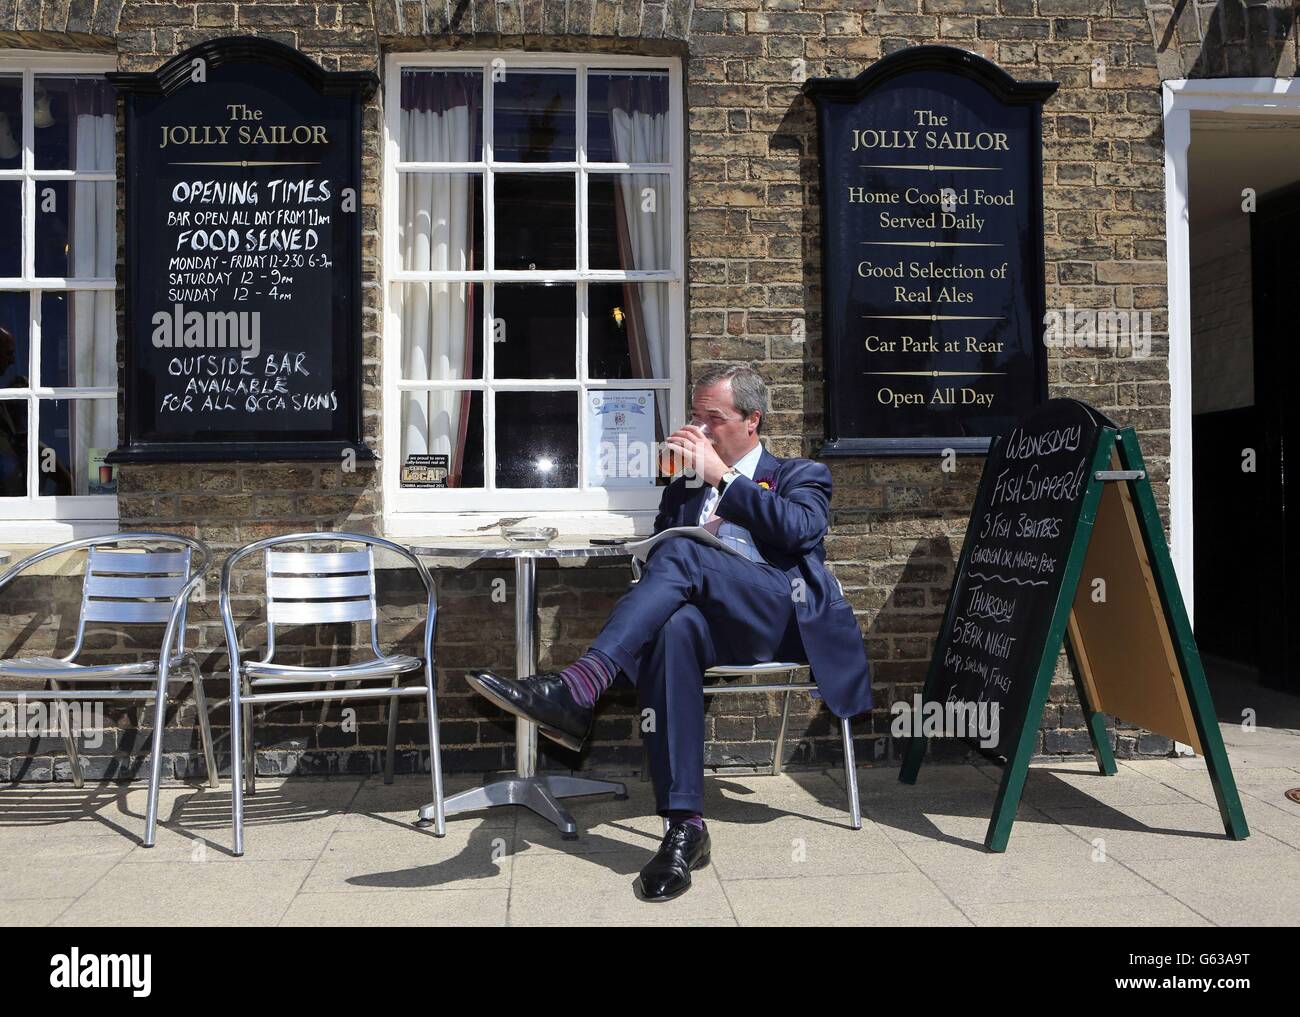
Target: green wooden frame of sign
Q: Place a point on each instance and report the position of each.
(1192, 673)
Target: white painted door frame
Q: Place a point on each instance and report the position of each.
(1256, 96)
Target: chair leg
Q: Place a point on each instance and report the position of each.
(236, 763)
(392, 735)
(155, 759)
(851, 773)
(250, 755)
(778, 755)
(69, 739)
(205, 727)
(435, 751)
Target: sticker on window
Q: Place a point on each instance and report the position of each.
(425, 470)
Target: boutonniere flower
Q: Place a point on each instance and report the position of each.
(767, 483)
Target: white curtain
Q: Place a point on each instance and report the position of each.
(437, 217)
(641, 136)
(93, 328)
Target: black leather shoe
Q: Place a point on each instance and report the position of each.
(668, 875)
(542, 698)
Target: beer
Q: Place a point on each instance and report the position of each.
(670, 460)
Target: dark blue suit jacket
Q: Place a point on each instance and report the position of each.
(788, 521)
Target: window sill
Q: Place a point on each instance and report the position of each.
(42, 533)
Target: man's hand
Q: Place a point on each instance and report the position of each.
(698, 453)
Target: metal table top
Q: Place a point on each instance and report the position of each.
(474, 548)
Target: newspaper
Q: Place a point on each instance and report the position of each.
(642, 548)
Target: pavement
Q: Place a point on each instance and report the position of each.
(1142, 847)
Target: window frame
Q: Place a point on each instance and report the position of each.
(446, 510)
(36, 517)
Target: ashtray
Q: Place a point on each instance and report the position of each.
(539, 535)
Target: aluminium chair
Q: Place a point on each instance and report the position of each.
(133, 578)
(787, 689)
(315, 587)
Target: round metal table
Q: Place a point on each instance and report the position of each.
(539, 792)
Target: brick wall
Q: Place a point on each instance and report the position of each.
(753, 222)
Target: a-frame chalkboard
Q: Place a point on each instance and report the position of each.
(1065, 537)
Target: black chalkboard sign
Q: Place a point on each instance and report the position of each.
(243, 256)
(1064, 536)
(932, 252)
(1013, 567)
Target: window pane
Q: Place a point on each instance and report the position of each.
(79, 339)
(537, 439)
(627, 116)
(11, 218)
(442, 439)
(15, 335)
(11, 121)
(442, 330)
(440, 226)
(73, 120)
(79, 432)
(76, 229)
(628, 331)
(625, 432)
(13, 448)
(629, 221)
(442, 116)
(535, 330)
(536, 225)
(533, 118)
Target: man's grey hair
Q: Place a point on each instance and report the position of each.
(748, 389)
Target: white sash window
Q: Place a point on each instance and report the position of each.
(533, 264)
(58, 315)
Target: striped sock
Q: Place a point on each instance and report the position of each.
(589, 676)
(682, 816)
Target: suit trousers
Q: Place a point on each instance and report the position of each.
(695, 606)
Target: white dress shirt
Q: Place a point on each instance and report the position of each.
(734, 535)
(746, 464)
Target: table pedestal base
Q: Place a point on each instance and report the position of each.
(540, 793)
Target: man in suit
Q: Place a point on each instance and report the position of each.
(767, 596)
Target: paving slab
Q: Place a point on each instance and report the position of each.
(1155, 911)
(797, 846)
(1258, 890)
(1052, 867)
(415, 908)
(409, 858)
(32, 912)
(59, 866)
(896, 898)
(1165, 831)
(178, 893)
(551, 889)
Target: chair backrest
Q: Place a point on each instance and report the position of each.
(320, 587)
(126, 583)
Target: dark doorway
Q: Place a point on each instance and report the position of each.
(1246, 450)
(1274, 229)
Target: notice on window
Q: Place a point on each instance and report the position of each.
(621, 438)
(425, 470)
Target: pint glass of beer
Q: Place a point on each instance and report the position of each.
(670, 460)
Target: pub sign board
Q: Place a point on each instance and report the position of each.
(243, 256)
(932, 252)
